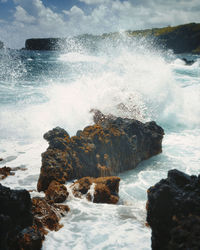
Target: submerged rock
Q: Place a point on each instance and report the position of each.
(1, 45)
(98, 190)
(188, 62)
(4, 172)
(108, 147)
(173, 212)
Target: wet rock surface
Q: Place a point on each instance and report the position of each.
(15, 215)
(98, 190)
(173, 212)
(4, 172)
(56, 192)
(25, 222)
(47, 214)
(110, 146)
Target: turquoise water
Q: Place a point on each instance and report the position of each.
(41, 90)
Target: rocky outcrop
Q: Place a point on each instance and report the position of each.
(173, 212)
(24, 222)
(15, 215)
(43, 44)
(106, 148)
(98, 190)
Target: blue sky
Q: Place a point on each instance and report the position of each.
(22, 19)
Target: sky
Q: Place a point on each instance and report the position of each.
(23, 19)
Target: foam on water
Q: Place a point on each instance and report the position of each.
(123, 77)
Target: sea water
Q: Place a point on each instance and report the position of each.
(129, 78)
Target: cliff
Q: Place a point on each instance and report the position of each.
(181, 39)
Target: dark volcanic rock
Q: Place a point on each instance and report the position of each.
(15, 215)
(98, 190)
(109, 147)
(24, 222)
(173, 212)
(42, 44)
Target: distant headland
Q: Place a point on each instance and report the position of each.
(181, 39)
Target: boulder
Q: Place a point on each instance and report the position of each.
(173, 212)
(110, 146)
(56, 192)
(97, 190)
(15, 215)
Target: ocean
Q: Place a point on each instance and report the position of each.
(126, 77)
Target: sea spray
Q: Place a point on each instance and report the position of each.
(124, 77)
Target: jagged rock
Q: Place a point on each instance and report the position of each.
(98, 190)
(1, 159)
(173, 212)
(47, 214)
(110, 146)
(4, 172)
(15, 215)
(56, 192)
(24, 223)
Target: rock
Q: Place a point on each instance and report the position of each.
(30, 238)
(186, 235)
(173, 212)
(24, 222)
(47, 214)
(188, 62)
(4, 172)
(110, 146)
(15, 215)
(42, 44)
(1, 159)
(1, 45)
(56, 192)
(98, 190)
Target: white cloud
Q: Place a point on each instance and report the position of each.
(22, 16)
(94, 1)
